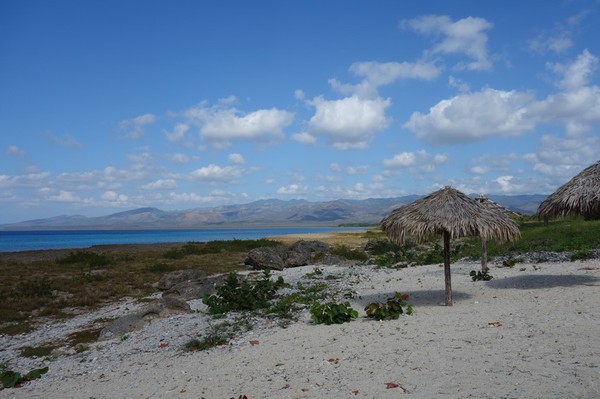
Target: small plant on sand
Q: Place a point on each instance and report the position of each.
(11, 379)
(391, 310)
(234, 295)
(350, 254)
(480, 276)
(332, 313)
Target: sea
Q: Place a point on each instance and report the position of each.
(13, 241)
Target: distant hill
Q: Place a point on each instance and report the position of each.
(262, 213)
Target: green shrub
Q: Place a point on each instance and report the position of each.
(391, 310)
(350, 254)
(581, 254)
(37, 287)
(332, 313)
(480, 276)
(11, 379)
(160, 268)
(247, 295)
(91, 259)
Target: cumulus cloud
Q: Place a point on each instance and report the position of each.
(581, 105)
(564, 157)
(135, 127)
(465, 36)
(64, 196)
(160, 184)
(474, 116)
(420, 161)
(220, 125)
(292, 189)
(216, 173)
(349, 123)
(15, 151)
(114, 197)
(178, 132)
(180, 158)
(576, 74)
(560, 38)
(236, 158)
(304, 138)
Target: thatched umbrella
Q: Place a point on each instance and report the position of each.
(580, 195)
(452, 214)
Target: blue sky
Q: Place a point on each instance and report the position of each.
(112, 105)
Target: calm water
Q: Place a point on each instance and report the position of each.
(11, 241)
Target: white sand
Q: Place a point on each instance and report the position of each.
(526, 334)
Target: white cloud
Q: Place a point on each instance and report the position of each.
(581, 105)
(576, 74)
(15, 151)
(559, 39)
(304, 138)
(465, 36)
(292, 189)
(474, 116)
(299, 94)
(180, 158)
(135, 127)
(220, 126)
(335, 167)
(418, 161)
(349, 123)
(379, 74)
(479, 170)
(64, 196)
(178, 132)
(33, 179)
(114, 197)
(66, 140)
(562, 158)
(160, 184)
(236, 158)
(357, 170)
(214, 172)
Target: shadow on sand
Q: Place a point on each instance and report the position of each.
(416, 298)
(543, 281)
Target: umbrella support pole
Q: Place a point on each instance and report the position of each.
(447, 268)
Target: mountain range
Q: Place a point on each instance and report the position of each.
(262, 213)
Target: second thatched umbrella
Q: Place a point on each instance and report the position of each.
(580, 195)
(452, 214)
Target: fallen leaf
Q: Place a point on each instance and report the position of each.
(355, 392)
(163, 345)
(305, 389)
(495, 323)
(183, 391)
(286, 386)
(390, 385)
(253, 342)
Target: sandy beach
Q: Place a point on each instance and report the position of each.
(531, 332)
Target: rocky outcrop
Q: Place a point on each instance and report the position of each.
(301, 253)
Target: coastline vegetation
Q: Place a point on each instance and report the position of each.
(64, 283)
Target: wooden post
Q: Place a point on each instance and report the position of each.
(484, 266)
(447, 268)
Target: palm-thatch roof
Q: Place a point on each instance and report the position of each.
(452, 214)
(448, 210)
(580, 195)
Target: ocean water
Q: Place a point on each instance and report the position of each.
(11, 241)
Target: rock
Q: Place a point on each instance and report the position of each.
(135, 321)
(301, 253)
(169, 280)
(194, 289)
(266, 258)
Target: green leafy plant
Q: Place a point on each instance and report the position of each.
(480, 276)
(234, 295)
(350, 254)
(581, 254)
(83, 257)
(332, 313)
(11, 379)
(391, 310)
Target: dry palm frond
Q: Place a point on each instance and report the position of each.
(580, 195)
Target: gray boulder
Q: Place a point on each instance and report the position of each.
(301, 253)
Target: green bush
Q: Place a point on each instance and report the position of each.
(480, 276)
(91, 259)
(350, 254)
(40, 287)
(332, 313)
(11, 379)
(234, 295)
(391, 310)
